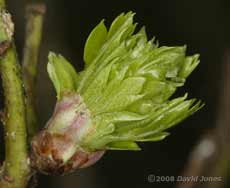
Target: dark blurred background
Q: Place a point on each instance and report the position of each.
(203, 25)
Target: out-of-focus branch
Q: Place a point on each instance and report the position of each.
(35, 13)
(211, 157)
(2, 4)
(15, 170)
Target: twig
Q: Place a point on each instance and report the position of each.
(15, 170)
(35, 13)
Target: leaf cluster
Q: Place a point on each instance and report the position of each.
(127, 84)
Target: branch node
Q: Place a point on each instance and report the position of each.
(36, 8)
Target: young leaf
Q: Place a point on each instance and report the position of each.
(94, 42)
(62, 74)
(125, 145)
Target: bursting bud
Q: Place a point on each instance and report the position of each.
(59, 148)
(121, 97)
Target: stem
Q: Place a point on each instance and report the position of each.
(2, 4)
(35, 13)
(15, 169)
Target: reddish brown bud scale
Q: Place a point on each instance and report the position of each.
(58, 148)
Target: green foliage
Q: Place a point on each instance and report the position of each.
(62, 74)
(127, 84)
(94, 42)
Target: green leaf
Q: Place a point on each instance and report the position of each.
(123, 20)
(118, 97)
(123, 145)
(190, 64)
(160, 118)
(113, 47)
(95, 42)
(123, 116)
(167, 118)
(154, 137)
(94, 91)
(62, 74)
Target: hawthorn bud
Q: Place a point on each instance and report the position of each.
(122, 97)
(59, 148)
